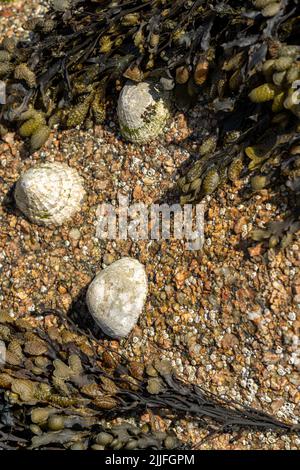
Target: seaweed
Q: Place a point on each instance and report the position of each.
(58, 384)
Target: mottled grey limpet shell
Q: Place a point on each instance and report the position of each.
(116, 296)
(143, 111)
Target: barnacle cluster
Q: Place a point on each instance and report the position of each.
(60, 388)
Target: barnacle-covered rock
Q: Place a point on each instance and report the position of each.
(49, 193)
(116, 296)
(143, 111)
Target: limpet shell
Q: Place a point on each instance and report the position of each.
(116, 296)
(143, 111)
(49, 193)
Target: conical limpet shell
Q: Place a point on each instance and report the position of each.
(116, 296)
(143, 110)
(49, 193)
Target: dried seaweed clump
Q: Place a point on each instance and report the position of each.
(59, 388)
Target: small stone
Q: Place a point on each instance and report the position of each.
(116, 296)
(75, 234)
(108, 259)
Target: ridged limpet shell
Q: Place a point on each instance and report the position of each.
(143, 111)
(49, 193)
(116, 296)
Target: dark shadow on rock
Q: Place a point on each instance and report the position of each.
(8, 202)
(80, 315)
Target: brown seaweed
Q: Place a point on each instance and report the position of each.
(64, 401)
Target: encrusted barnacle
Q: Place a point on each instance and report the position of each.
(39, 138)
(154, 386)
(262, 93)
(49, 193)
(23, 72)
(211, 181)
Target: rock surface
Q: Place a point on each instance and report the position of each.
(143, 111)
(116, 296)
(49, 193)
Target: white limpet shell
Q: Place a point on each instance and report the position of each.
(116, 296)
(143, 111)
(49, 193)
